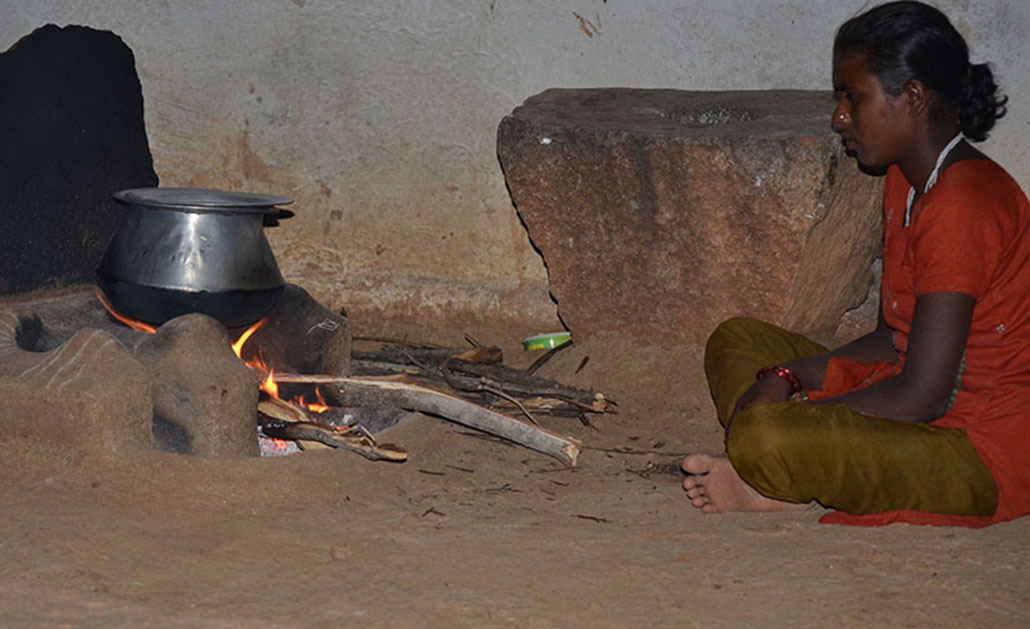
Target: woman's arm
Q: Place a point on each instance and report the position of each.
(921, 392)
(875, 346)
(936, 342)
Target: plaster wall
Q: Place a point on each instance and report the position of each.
(379, 118)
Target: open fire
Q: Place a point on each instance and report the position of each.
(268, 386)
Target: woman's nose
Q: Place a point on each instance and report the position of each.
(839, 119)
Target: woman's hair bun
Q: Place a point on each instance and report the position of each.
(980, 105)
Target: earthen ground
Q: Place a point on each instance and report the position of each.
(475, 533)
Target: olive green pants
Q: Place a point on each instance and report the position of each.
(859, 464)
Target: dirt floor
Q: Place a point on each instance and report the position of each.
(471, 532)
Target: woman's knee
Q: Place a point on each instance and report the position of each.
(731, 333)
(730, 330)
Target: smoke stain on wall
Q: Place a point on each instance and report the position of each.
(252, 165)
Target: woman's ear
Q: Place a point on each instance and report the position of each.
(917, 96)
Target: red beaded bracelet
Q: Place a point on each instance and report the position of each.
(786, 374)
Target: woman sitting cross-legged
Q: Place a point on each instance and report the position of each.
(926, 419)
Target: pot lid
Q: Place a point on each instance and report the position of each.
(202, 200)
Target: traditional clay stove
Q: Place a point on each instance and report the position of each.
(202, 395)
(184, 388)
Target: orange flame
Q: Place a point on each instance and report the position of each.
(238, 345)
(257, 363)
(315, 407)
(321, 406)
(139, 326)
(269, 386)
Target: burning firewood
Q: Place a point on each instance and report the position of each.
(405, 393)
(402, 392)
(282, 420)
(357, 441)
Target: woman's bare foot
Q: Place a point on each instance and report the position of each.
(715, 487)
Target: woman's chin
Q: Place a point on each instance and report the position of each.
(867, 166)
(875, 169)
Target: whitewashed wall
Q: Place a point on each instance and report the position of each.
(379, 117)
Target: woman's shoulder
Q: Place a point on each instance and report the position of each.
(977, 175)
(983, 178)
(976, 199)
(969, 190)
(981, 185)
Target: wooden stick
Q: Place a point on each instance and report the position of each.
(481, 355)
(401, 392)
(281, 409)
(587, 400)
(484, 386)
(515, 381)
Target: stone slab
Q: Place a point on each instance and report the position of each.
(661, 211)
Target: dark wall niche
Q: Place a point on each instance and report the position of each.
(71, 123)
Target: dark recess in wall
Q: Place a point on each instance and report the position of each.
(71, 123)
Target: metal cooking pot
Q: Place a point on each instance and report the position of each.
(181, 250)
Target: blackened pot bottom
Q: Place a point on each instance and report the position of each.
(158, 305)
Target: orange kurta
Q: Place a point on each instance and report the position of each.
(971, 234)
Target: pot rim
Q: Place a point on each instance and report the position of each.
(202, 200)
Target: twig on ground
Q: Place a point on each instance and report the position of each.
(592, 518)
(540, 362)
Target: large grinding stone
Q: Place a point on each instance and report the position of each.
(662, 211)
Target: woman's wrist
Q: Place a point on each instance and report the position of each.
(785, 373)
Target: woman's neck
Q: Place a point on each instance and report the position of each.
(922, 159)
